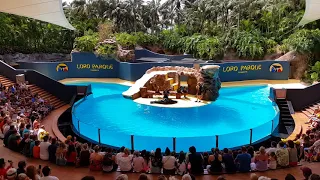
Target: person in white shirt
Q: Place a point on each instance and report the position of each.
(169, 163)
(46, 171)
(44, 153)
(138, 162)
(120, 154)
(273, 148)
(125, 162)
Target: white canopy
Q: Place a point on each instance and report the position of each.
(312, 12)
(50, 11)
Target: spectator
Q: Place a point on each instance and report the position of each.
(46, 171)
(7, 134)
(26, 130)
(96, 160)
(23, 176)
(21, 167)
(272, 161)
(71, 155)
(125, 161)
(181, 164)
(169, 163)
(205, 160)
(61, 154)
(13, 141)
(290, 177)
(120, 154)
(254, 176)
(156, 161)
(314, 177)
(32, 144)
(293, 154)
(21, 128)
(26, 147)
(44, 146)
(243, 160)
(273, 148)
(137, 162)
(162, 177)
(316, 146)
(122, 177)
(215, 161)
(3, 169)
(146, 158)
(32, 173)
(11, 174)
(52, 150)
(196, 161)
(36, 150)
(186, 177)
(261, 160)
(306, 172)
(143, 177)
(282, 155)
(108, 161)
(228, 161)
(84, 155)
(251, 151)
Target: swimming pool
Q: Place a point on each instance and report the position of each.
(229, 119)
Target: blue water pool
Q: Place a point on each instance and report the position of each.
(229, 119)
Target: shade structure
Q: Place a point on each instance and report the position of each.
(312, 12)
(50, 11)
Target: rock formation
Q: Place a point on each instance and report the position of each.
(125, 55)
(298, 63)
(211, 82)
(208, 76)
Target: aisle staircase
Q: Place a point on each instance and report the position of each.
(309, 110)
(286, 122)
(54, 101)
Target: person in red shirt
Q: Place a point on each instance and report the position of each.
(71, 155)
(3, 169)
(36, 150)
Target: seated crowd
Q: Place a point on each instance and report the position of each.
(21, 113)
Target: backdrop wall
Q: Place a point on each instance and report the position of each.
(88, 65)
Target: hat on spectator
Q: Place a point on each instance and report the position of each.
(11, 173)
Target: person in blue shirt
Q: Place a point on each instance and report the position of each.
(243, 160)
(26, 130)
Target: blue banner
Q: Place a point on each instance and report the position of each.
(88, 65)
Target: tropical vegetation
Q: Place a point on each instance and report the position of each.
(208, 29)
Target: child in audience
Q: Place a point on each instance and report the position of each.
(36, 150)
(272, 161)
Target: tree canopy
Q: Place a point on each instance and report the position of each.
(204, 28)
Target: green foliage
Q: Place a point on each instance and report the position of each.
(126, 40)
(203, 47)
(88, 42)
(315, 71)
(145, 39)
(20, 34)
(249, 44)
(303, 41)
(109, 50)
(172, 41)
